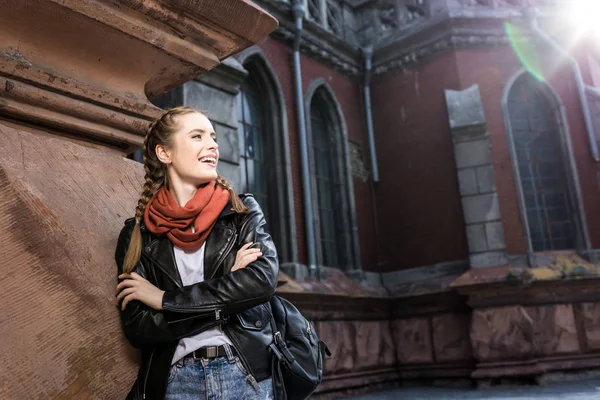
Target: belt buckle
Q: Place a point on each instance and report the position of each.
(212, 352)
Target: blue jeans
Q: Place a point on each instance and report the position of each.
(221, 378)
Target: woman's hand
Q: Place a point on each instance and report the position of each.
(134, 287)
(245, 256)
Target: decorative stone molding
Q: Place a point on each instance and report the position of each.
(98, 84)
(337, 55)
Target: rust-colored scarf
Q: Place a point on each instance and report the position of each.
(164, 216)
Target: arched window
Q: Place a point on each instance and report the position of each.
(335, 220)
(265, 168)
(328, 185)
(252, 135)
(535, 133)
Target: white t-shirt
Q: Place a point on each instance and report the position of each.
(191, 269)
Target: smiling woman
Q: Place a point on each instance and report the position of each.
(186, 298)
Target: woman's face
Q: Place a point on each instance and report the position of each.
(193, 155)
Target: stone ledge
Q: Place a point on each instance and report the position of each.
(97, 85)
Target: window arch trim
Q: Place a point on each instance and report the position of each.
(572, 176)
(277, 119)
(350, 242)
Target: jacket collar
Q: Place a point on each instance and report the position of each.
(160, 249)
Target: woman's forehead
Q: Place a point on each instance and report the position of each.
(195, 121)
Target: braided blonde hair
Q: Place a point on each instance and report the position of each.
(160, 132)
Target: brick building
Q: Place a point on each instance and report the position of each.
(434, 202)
(461, 243)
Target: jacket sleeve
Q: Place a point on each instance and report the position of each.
(239, 290)
(143, 326)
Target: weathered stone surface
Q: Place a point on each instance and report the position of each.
(220, 105)
(134, 50)
(517, 332)
(485, 179)
(465, 111)
(481, 208)
(494, 233)
(590, 314)
(357, 345)
(488, 259)
(473, 154)
(502, 333)
(451, 341)
(339, 336)
(554, 330)
(476, 238)
(62, 206)
(467, 181)
(413, 338)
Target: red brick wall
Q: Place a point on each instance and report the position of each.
(491, 70)
(417, 200)
(419, 208)
(348, 94)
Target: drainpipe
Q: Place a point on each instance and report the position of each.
(298, 12)
(368, 53)
(531, 13)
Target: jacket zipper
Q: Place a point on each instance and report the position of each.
(225, 254)
(147, 373)
(250, 377)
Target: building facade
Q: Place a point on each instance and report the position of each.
(436, 202)
(428, 168)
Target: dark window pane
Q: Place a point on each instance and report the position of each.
(251, 137)
(325, 174)
(536, 139)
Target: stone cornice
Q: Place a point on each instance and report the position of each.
(415, 49)
(97, 84)
(454, 29)
(316, 42)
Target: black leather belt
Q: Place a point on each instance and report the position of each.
(210, 352)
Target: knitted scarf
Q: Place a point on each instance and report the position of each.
(164, 216)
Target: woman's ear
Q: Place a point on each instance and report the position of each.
(163, 154)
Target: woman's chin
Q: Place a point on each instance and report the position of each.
(206, 178)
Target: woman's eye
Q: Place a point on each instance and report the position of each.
(197, 136)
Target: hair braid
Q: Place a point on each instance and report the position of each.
(153, 179)
(237, 204)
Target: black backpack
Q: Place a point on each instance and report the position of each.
(297, 366)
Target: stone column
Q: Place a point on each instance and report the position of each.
(475, 171)
(75, 79)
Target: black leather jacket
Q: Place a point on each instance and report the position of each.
(237, 301)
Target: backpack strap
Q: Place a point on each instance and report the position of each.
(278, 346)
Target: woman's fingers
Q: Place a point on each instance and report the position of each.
(124, 293)
(126, 283)
(127, 299)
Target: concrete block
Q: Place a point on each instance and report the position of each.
(494, 233)
(488, 259)
(472, 154)
(228, 139)
(219, 105)
(227, 76)
(476, 238)
(485, 179)
(481, 208)
(465, 113)
(467, 182)
(232, 173)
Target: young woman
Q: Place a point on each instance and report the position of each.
(196, 271)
